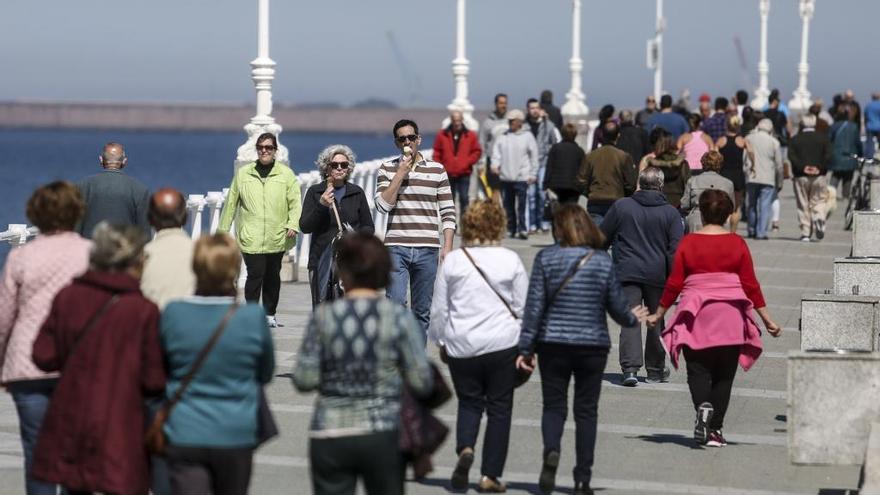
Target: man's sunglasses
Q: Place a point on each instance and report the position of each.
(411, 138)
(339, 165)
(266, 148)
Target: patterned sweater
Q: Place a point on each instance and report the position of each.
(357, 354)
(424, 202)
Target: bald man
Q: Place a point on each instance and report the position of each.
(168, 271)
(112, 195)
(458, 149)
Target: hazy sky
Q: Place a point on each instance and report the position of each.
(338, 50)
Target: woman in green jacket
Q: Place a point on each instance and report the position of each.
(264, 201)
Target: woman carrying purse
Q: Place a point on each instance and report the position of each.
(479, 295)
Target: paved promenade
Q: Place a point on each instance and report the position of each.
(644, 443)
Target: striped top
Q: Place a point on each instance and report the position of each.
(424, 201)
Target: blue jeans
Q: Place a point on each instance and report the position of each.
(513, 194)
(536, 203)
(760, 201)
(414, 268)
(460, 191)
(31, 399)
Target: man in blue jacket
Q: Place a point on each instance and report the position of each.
(644, 231)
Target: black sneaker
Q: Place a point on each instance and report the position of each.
(701, 426)
(459, 478)
(716, 439)
(659, 377)
(820, 229)
(581, 488)
(547, 480)
(629, 379)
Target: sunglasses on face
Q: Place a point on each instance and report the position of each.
(410, 138)
(339, 165)
(266, 148)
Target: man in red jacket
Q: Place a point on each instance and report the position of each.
(458, 149)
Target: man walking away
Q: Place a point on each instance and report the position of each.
(168, 272)
(415, 193)
(607, 174)
(872, 125)
(633, 139)
(764, 174)
(810, 152)
(264, 201)
(546, 135)
(515, 161)
(716, 125)
(644, 231)
(674, 123)
(553, 112)
(457, 149)
(113, 196)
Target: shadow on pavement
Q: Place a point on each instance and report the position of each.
(512, 485)
(670, 438)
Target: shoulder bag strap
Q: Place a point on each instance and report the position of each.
(580, 264)
(91, 324)
(200, 359)
(483, 274)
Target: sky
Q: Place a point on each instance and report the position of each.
(339, 50)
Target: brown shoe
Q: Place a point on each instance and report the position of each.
(491, 485)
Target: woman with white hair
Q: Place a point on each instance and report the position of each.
(763, 169)
(329, 207)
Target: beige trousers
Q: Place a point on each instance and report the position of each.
(811, 195)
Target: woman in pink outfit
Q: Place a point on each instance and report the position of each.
(713, 327)
(33, 274)
(694, 144)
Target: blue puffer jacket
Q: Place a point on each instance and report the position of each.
(577, 315)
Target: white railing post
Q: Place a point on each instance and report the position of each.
(801, 99)
(763, 90)
(195, 203)
(575, 109)
(215, 205)
(460, 71)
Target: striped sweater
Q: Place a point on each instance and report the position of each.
(424, 202)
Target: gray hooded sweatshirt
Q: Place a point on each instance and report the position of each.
(517, 154)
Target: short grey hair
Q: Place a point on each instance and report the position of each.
(651, 179)
(116, 247)
(326, 156)
(626, 116)
(765, 125)
(809, 120)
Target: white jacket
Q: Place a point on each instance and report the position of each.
(517, 154)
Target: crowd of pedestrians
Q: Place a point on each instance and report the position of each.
(175, 403)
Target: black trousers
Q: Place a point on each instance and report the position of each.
(710, 378)
(557, 363)
(219, 471)
(263, 278)
(337, 463)
(485, 383)
(631, 357)
(567, 195)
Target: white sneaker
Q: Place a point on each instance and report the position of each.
(272, 322)
(805, 238)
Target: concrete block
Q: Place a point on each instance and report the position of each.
(871, 483)
(857, 276)
(830, 322)
(832, 400)
(866, 233)
(875, 194)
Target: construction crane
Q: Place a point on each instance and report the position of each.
(410, 78)
(743, 65)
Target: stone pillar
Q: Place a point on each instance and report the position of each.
(460, 71)
(801, 99)
(763, 90)
(575, 109)
(262, 73)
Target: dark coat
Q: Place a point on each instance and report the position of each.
(91, 438)
(607, 174)
(553, 113)
(318, 220)
(113, 196)
(563, 163)
(457, 160)
(845, 142)
(676, 173)
(644, 231)
(634, 140)
(809, 147)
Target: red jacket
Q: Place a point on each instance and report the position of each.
(458, 164)
(91, 438)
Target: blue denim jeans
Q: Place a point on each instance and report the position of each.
(31, 399)
(536, 203)
(460, 191)
(513, 194)
(760, 201)
(414, 268)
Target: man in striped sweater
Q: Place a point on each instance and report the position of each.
(415, 194)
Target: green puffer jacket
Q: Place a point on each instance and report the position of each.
(263, 209)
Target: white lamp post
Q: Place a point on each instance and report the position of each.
(575, 109)
(262, 73)
(460, 70)
(763, 90)
(801, 99)
(658, 51)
